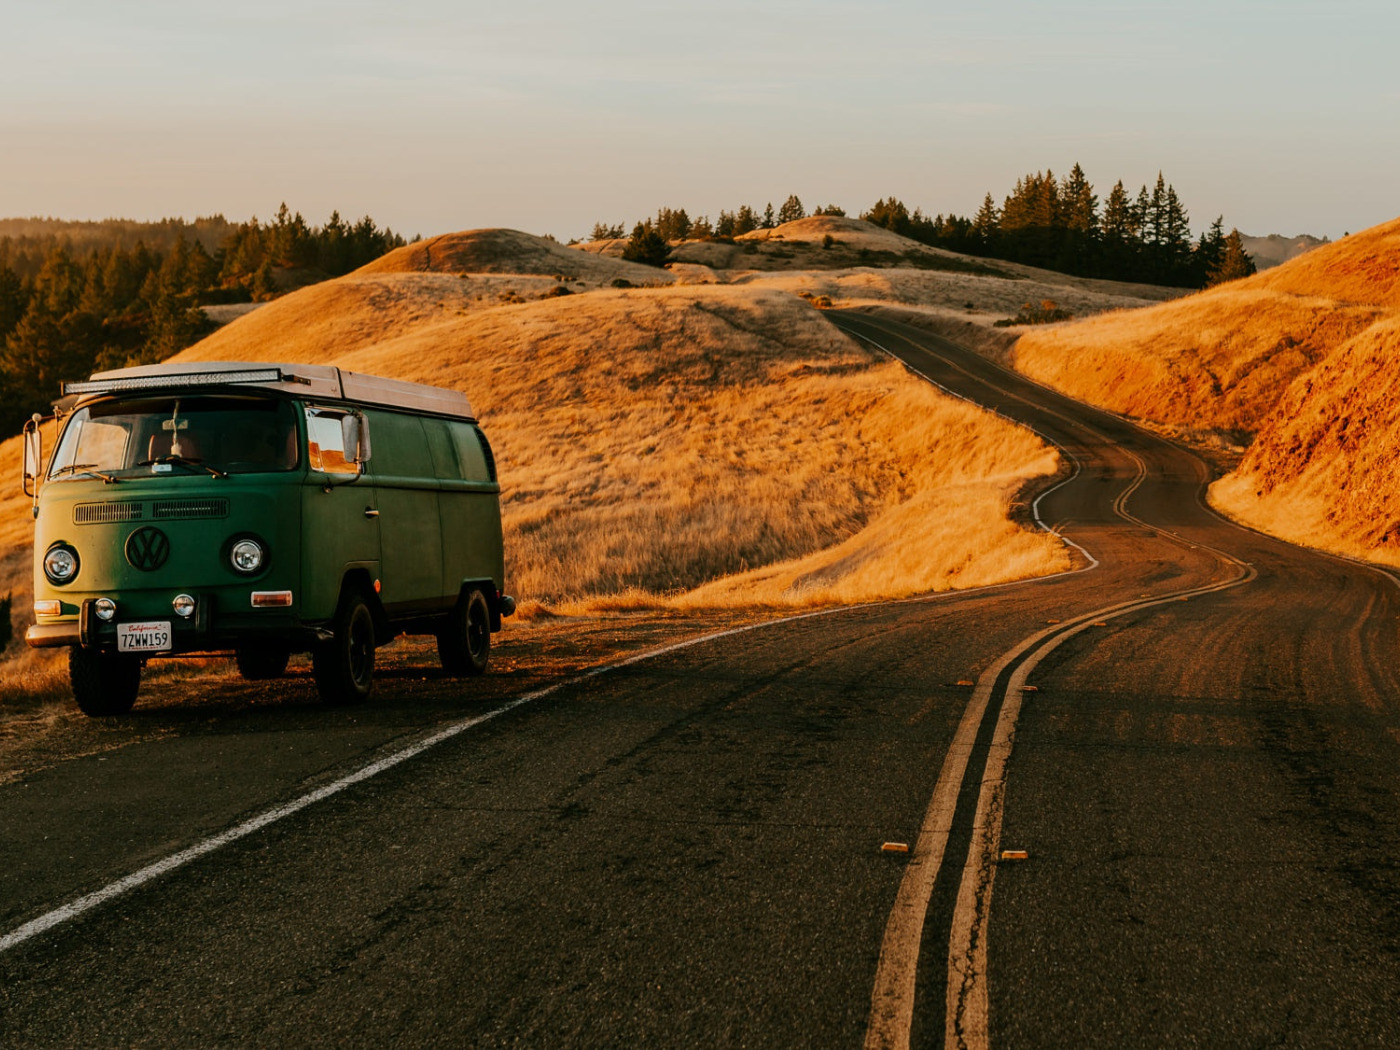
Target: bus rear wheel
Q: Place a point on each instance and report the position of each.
(103, 683)
(464, 642)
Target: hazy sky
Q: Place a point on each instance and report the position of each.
(547, 116)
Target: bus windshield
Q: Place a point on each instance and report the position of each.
(177, 434)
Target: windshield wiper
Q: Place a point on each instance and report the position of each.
(182, 461)
(86, 468)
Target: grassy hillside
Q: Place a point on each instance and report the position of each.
(1323, 471)
(1298, 363)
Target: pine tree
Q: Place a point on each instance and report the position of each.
(333, 249)
(1032, 219)
(14, 298)
(59, 283)
(1155, 214)
(768, 222)
(646, 246)
(1208, 251)
(791, 210)
(1081, 206)
(1176, 239)
(889, 213)
(1118, 236)
(672, 225)
(1234, 261)
(263, 287)
(984, 225)
(746, 221)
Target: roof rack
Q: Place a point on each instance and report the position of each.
(311, 381)
(183, 380)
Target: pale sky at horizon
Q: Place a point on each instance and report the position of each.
(548, 116)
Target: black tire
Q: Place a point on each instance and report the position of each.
(103, 683)
(258, 663)
(464, 643)
(344, 666)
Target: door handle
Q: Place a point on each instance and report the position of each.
(370, 512)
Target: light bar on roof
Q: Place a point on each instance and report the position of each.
(183, 380)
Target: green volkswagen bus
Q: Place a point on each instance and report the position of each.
(261, 510)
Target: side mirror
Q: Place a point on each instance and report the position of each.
(33, 457)
(354, 429)
(33, 460)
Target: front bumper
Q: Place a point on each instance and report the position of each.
(206, 631)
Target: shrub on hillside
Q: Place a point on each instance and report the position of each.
(1046, 313)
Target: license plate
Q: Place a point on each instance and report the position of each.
(143, 637)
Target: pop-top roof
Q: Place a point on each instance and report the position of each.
(303, 380)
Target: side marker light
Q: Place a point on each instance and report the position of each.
(1015, 854)
(895, 847)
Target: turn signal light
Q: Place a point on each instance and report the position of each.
(272, 599)
(48, 608)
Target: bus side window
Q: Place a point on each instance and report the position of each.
(469, 454)
(442, 448)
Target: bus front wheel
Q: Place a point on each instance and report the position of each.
(344, 666)
(103, 683)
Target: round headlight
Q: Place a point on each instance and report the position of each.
(183, 605)
(105, 608)
(247, 556)
(61, 564)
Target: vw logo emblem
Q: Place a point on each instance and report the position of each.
(147, 549)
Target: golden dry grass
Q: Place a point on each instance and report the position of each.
(1218, 360)
(1323, 473)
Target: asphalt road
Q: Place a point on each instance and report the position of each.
(687, 849)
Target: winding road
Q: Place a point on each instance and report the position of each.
(1150, 801)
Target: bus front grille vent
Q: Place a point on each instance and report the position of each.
(101, 513)
(189, 508)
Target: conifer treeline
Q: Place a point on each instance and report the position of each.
(1057, 224)
(66, 310)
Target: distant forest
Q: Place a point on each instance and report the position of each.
(76, 297)
(1044, 221)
